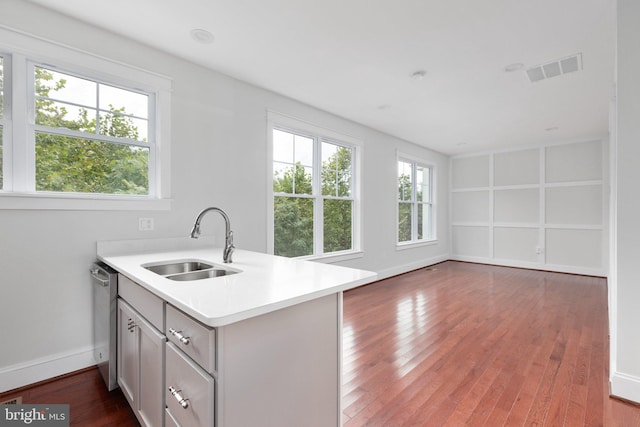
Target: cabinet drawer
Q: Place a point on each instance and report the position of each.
(186, 380)
(192, 337)
(145, 303)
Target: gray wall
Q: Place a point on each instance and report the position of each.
(218, 127)
(542, 207)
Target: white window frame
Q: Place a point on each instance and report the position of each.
(6, 120)
(25, 52)
(319, 135)
(415, 242)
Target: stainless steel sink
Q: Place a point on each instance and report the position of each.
(177, 267)
(187, 270)
(203, 274)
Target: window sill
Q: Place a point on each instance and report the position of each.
(413, 245)
(336, 257)
(70, 202)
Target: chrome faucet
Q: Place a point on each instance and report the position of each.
(228, 240)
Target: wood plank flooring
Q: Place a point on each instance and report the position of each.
(456, 345)
(90, 403)
(464, 344)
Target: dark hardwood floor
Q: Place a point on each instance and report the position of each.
(456, 345)
(90, 404)
(470, 345)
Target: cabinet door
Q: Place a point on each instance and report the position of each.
(151, 374)
(127, 352)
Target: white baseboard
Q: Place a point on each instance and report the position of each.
(586, 271)
(405, 268)
(30, 372)
(625, 387)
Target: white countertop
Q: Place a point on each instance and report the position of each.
(264, 284)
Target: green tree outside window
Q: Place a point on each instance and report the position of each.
(84, 164)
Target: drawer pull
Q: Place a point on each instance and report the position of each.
(178, 334)
(177, 394)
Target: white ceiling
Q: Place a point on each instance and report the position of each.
(351, 57)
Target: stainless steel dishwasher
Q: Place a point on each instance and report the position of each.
(104, 281)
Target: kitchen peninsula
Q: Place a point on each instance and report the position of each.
(260, 345)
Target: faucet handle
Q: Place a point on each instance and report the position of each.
(228, 247)
(195, 231)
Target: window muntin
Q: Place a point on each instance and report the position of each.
(337, 203)
(313, 185)
(67, 101)
(415, 202)
(293, 163)
(90, 137)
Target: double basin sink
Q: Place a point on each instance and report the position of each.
(184, 271)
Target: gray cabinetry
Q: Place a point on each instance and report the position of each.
(189, 390)
(141, 360)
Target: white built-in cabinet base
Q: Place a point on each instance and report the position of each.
(282, 368)
(277, 369)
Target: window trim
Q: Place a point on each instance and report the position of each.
(26, 50)
(7, 116)
(276, 120)
(414, 242)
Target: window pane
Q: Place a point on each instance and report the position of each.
(63, 115)
(282, 178)
(344, 184)
(66, 101)
(137, 104)
(82, 165)
(303, 150)
(404, 222)
(329, 182)
(292, 179)
(293, 226)
(337, 225)
(64, 87)
(303, 180)
(121, 126)
(404, 181)
(328, 151)
(336, 170)
(424, 221)
(282, 146)
(423, 176)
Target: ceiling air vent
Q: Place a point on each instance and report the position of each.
(555, 68)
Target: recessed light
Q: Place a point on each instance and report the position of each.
(418, 75)
(552, 129)
(202, 36)
(461, 144)
(384, 107)
(516, 66)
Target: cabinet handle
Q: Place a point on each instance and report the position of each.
(178, 334)
(177, 394)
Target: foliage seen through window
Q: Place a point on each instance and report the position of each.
(86, 134)
(309, 191)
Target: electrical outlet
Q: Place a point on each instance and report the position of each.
(145, 224)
